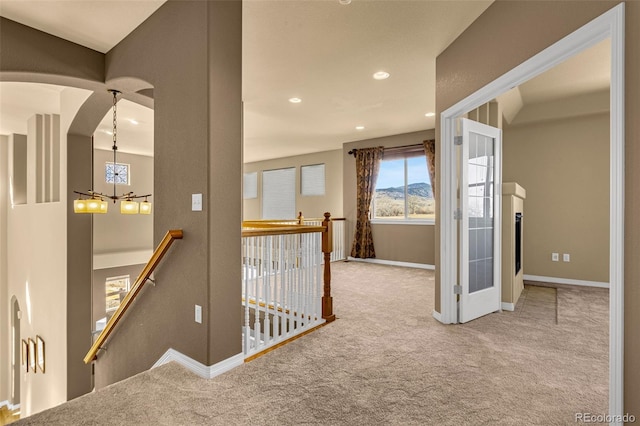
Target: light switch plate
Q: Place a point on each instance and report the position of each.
(196, 202)
(566, 257)
(555, 257)
(199, 314)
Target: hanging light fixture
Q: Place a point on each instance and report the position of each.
(95, 201)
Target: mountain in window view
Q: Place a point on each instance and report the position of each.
(420, 189)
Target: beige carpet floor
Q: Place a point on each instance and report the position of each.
(386, 361)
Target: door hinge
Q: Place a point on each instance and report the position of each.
(457, 140)
(457, 289)
(457, 214)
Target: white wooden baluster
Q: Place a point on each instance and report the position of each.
(293, 271)
(304, 308)
(274, 289)
(265, 290)
(256, 293)
(318, 281)
(245, 292)
(300, 283)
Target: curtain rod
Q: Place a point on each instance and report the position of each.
(392, 148)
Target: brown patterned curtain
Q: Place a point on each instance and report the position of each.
(367, 168)
(430, 150)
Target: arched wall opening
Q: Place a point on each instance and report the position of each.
(68, 238)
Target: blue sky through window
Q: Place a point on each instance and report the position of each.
(392, 172)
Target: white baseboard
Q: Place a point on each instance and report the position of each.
(204, 371)
(508, 306)
(9, 406)
(568, 281)
(437, 315)
(394, 263)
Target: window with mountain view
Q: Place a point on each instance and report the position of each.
(403, 190)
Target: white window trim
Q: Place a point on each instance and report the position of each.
(429, 222)
(406, 220)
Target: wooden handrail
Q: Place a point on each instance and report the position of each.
(288, 221)
(158, 254)
(281, 230)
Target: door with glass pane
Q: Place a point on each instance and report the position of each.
(480, 196)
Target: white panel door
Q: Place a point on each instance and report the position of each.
(480, 195)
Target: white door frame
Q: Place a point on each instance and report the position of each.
(608, 25)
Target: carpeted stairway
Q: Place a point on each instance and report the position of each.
(386, 361)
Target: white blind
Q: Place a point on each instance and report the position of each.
(312, 179)
(250, 185)
(279, 194)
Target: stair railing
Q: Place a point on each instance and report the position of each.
(338, 224)
(285, 293)
(158, 254)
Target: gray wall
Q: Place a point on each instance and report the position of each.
(400, 243)
(115, 232)
(504, 36)
(310, 206)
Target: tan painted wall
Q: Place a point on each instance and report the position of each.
(400, 243)
(510, 32)
(564, 167)
(310, 206)
(59, 61)
(196, 73)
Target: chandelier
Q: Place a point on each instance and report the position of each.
(94, 202)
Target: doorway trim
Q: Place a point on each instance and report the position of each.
(608, 25)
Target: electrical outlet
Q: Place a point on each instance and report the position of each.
(196, 202)
(555, 257)
(199, 314)
(566, 257)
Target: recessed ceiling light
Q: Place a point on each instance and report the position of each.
(381, 75)
(359, 127)
(295, 100)
(430, 114)
(132, 121)
(344, 2)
